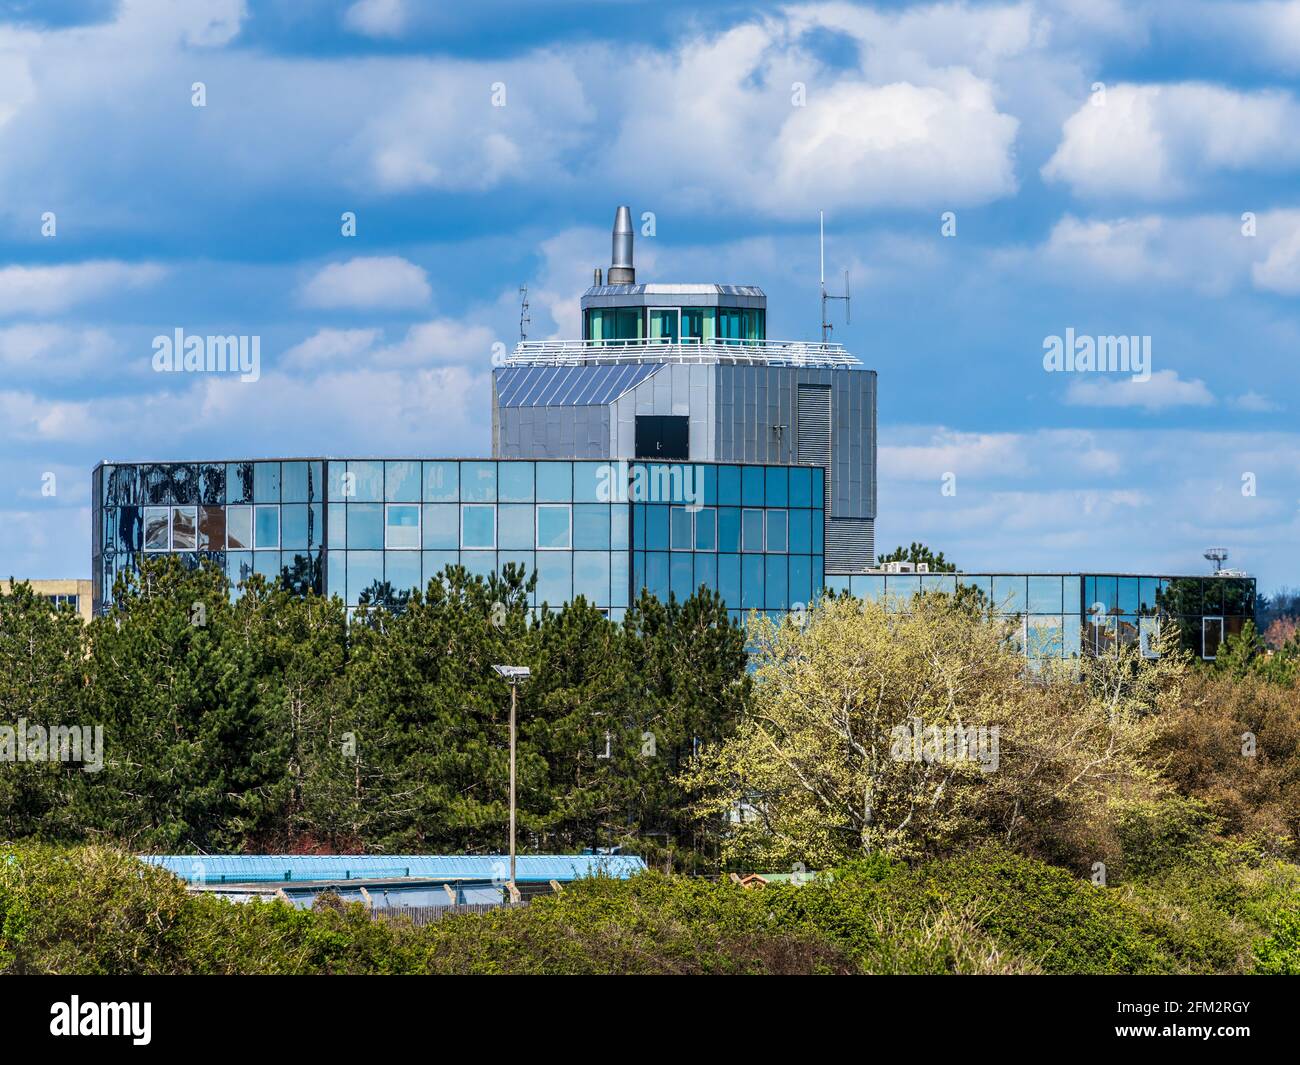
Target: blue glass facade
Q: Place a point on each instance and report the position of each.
(602, 530)
(1065, 615)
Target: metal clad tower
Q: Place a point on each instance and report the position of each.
(687, 372)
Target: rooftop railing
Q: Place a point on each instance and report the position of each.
(748, 352)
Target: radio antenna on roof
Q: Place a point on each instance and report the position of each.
(827, 328)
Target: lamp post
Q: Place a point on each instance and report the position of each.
(513, 675)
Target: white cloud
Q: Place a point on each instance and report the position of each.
(1157, 142)
(439, 341)
(1254, 403)
(387, 281)
(47, 350)
(376, 18)
(1163, 389)
(26, 290)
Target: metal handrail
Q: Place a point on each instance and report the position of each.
(720, 349)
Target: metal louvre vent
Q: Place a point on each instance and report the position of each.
(814, 432)
(850, 545)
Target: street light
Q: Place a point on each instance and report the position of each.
(513, 675)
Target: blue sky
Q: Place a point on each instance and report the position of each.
(1098, 157)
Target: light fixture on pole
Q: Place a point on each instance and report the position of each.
(513, 675)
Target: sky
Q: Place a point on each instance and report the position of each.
(992, 175)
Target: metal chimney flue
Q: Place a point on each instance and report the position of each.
(621, 270)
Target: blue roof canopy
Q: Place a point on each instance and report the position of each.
(287, 868)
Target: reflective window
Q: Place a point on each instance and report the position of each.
(869, 587)
(185, 484)
(1043, 636)
(402, 482)
(595, 482)
(293, 526)
(706, 529)
(293, 482)
(591, 576)
(365, 526)
(515, 482)
(239, 482)
(801, 481)
(478, 526)
(365, 573)
(554, 528)
(751, 488)
(681, 534)
(618, 526)
(900, 588)
(1212, 636)
(266, 530)
(656, 520)
(1009, 594)
(441, 482)
(591, 526)
(239, 566)
(157, 525)
(752, 530)
(402, 527)
(751, 582)
(1127, 597)
(1044, 595)
(706, 571)
(478, 482)
(802, 568)
(554, 578)
(184, 528)
(239, 528)
(266, 482)
(802, 528)
(1148, 634)
(777, 531)
(1100, 593)
(681, 575)
(338, 525)
(728, 529)
(1212, 592)
(778, 487)
(729, 486)
(776, 576)
(402, 570)
(516, 529)
(364, 482)
(437, 561)
(656, 574)
(619, 579)
(212, 528)
(554, 482)
(729, 580)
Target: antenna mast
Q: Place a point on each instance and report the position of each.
(827, 328)
(524, 320)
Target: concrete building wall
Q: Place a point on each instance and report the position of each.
(63, 589)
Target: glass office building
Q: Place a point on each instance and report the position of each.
(601, 530)
(1063, 615)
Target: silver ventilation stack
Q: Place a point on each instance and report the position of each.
(621, 270)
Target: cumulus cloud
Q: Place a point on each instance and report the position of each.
(1163, 389)
(439, 341)
(376, 18)
(365, 283)
(41, 350)
(1158, 142)
(27, 290)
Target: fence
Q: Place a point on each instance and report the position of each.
(422, 915)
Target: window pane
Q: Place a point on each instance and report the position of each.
(266, 482)
(478, 526)
(801, 481)
(618, 522)
(728, 529)
(680, 531)
(777, 530)
(157, 529)
(596, 482)
(801, 579)
(751, 582)
(212, 528)
(618, 579)
(752, 531)
(267, 529)
(801, 530)
(706, 530)
(478, 482)
(402, 570)
(778, 486)
(729, 580)
(239, 566)
(729, 486)
(402, 482)
(553, 528)
(656, 574)
(365, 571)
(293, 482)
(1009, 594)
(554, 482)
(293, 531)
(338, 532)
(366, 479)
(591, 526)
(402, 526)
(435, 562)
(515, 527)
(681, 575)
(706, 571)
(1127, 595)
(239, 528)
(239, 482)
(441, 482)
(777, 578)
(752, 486)
(365, 526)
(554, 578)
(1044, 595)
(515, 482)
(184, 523)
(656, 534)
(591, 576)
